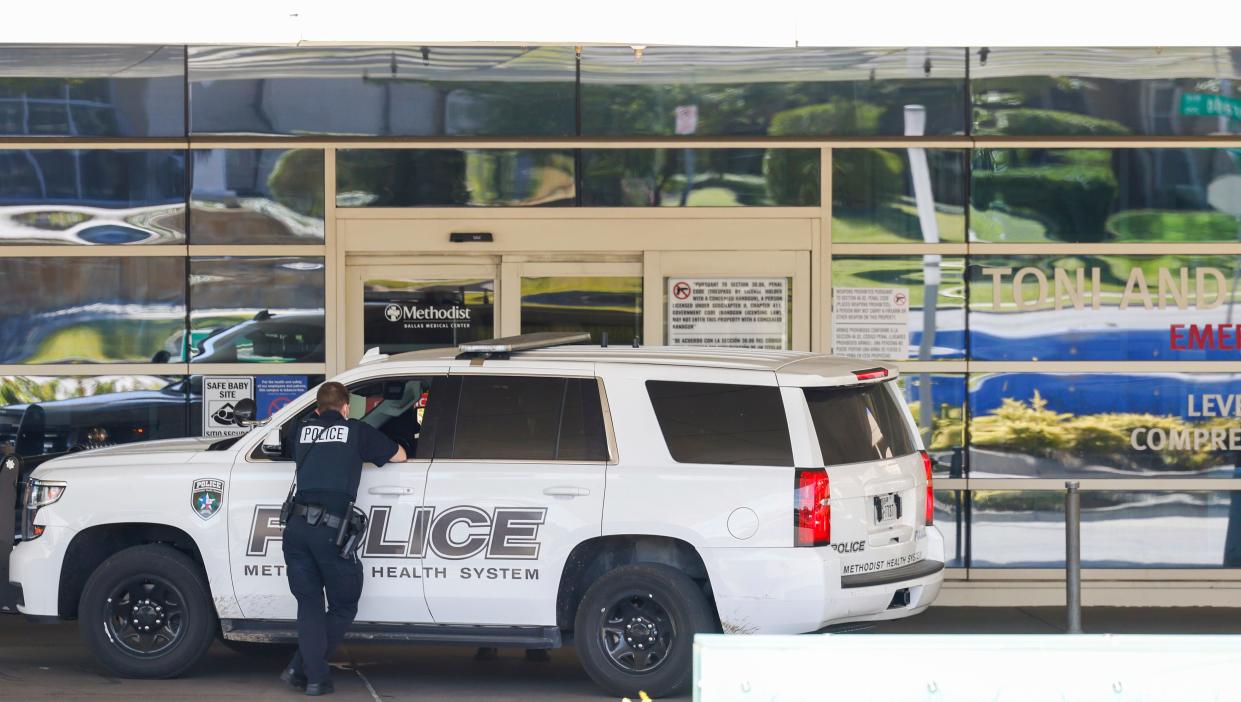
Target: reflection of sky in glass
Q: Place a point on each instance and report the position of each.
(70, 196)
(1014, 529)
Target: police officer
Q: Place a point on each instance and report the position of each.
(329, 452)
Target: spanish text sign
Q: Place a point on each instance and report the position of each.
(731, 312)
(870, 322)
(220, 396)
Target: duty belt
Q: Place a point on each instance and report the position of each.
(331, 521)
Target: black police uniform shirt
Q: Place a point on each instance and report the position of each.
(329, 474)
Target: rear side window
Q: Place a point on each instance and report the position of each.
(720, 423)
(860, 423)
(529, 418)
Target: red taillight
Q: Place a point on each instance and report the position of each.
(871, 373)
(812, 511)
(930, 489)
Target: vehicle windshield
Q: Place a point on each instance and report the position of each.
(860, 423)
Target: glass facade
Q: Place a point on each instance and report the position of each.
(1061, 308)
(92, 196)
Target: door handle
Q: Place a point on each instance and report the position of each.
(566, 491)
(391, 490)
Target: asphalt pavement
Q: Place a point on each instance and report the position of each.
(42, 661)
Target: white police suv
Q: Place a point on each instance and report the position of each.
(621, 499)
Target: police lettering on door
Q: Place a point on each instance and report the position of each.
(458, 533)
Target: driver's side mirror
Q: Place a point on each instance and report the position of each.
(244, 412)
(272, 445)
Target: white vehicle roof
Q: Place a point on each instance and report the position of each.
(793, 367)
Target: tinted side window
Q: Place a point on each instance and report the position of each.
(719, 423)
(860, 423)
(528, 418)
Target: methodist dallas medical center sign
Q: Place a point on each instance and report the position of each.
(1199, 289)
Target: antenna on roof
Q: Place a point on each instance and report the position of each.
(637, 341)
(604, 342)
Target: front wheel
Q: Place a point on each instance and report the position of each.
(146, 612)
(635, 629)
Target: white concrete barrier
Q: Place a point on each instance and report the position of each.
(967, 668)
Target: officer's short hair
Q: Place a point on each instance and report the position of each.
(332, 395)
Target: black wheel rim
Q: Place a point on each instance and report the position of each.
(145, 616)
(637, 633)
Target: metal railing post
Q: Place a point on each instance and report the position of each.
(1073, 555)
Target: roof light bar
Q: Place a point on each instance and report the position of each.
(871, 374)
(523, 342)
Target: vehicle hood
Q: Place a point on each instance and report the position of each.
(142, 456)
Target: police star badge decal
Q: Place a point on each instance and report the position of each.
(206, 497)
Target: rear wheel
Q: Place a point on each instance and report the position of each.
(635, 629)
(146, 612)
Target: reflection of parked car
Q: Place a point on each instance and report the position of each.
(267, 337)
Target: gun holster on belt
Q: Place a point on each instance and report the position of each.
(349, 535)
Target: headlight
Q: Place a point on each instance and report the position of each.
(39, 494)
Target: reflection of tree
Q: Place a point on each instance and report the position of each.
(1031, 428)
(1071, 192)
(20, 389)
(296, 181)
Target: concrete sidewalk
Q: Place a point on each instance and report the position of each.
(50, 662)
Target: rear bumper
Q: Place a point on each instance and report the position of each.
(796, 590)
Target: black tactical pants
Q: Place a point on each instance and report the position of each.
(313, 566)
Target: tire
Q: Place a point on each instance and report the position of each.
(635, 602)
(152, 586)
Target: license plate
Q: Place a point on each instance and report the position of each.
(887, 507)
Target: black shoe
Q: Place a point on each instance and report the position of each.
(486, 653)
(293, 678)
(317, 689)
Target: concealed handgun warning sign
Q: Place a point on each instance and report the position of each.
(870, 322)
(220, 396)
(733, 312)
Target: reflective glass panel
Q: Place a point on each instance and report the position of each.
(406, 315)
(937, 402)
(383, 90)
(1113, 91)
(599, 305)
(1105, 425)
(733, 312)
(879, 307)
(1104, 308)
(700, 177)
(950, 519)
(92, 91)
(1105, 195)
(260, 309)
(1025, 529)
(816, 91)
(886, 196)
(257, 196)
(63, 196)
(454, 177)
(90, 309)
(41, 415)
